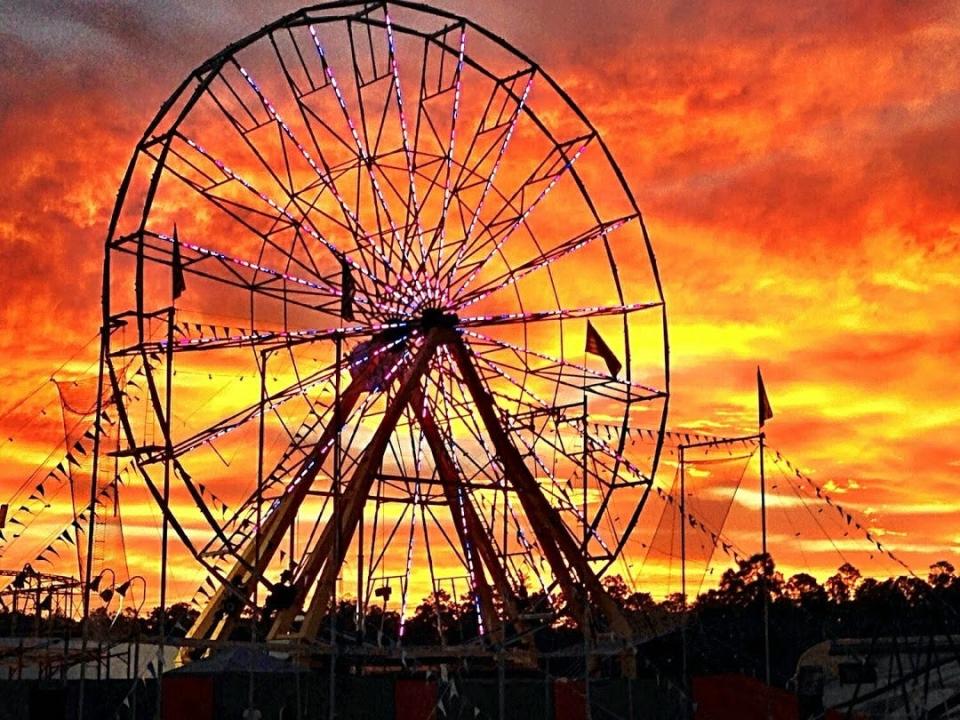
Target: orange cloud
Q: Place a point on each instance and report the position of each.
(796, 167)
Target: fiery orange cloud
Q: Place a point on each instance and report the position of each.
(796, 167)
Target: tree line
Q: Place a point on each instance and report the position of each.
(723, 626)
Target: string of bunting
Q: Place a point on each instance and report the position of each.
(612, 430)
(71, 534)
(55, 479)
(150, 669)
(729, 548)
(58, 477)
(846, 517)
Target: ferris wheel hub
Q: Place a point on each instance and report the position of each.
(436, 318)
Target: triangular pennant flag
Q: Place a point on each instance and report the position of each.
(595, 345)
(765, 412)
(347, 290)
(179, 282)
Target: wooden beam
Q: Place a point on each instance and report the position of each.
(212, 623)
(330, 550)
(562, 551)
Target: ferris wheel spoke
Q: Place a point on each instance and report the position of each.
(562, 497)
(501, 227)
(528, 549)
(564, 366)
(520, 386)
(435, 249)
(330, 172)
(338, 536)
(507, 128)
(469, 526)
(324, 177)
(324, 296)
(561, 314)
(544, 260)
(297, 389)
(351, 223)
(412, 205)
(364, 158)
(279, 219)
(280, 214)
(271, 223)
(267, 339)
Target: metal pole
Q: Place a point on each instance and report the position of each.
(264, 358)
(501, 684)
(683, 564)
(766, 593)
(91, 509)
(332, 705)
(360, 618)
(136, 667)
(587, 628)
(165, 533)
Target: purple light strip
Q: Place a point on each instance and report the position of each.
(557, 361)
(447, 193)
(501, 482)
(468, 547)
(617, 456)
(364, 157)
(540, 315)
(321, 174)
(486, 188)
(516, 276)
(410, 543)
(523, 216)
(468, 552)
(207, 252)
(284, 334)
(406, 140)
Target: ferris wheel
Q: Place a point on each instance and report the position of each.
(381, 272)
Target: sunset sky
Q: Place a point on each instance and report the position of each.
(796, 164)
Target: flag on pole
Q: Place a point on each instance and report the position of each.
(347, 290)
(596, 346)
(179, 283)
(765, 412)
